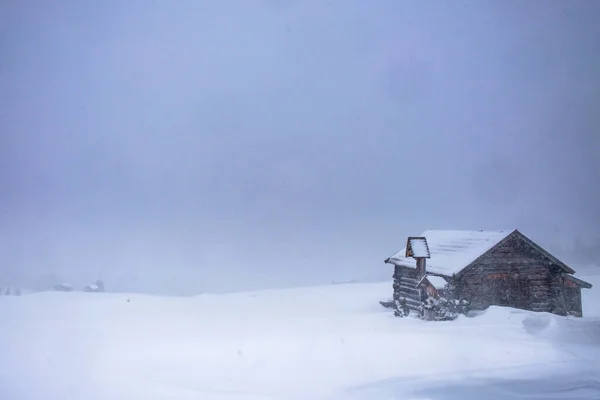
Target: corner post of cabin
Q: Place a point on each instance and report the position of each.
(396, 283)
(421, 268)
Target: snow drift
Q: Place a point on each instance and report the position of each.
(322, 342)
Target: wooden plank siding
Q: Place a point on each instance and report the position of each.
(515, 274)
(405, 282)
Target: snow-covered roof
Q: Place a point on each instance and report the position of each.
(418, 246)
(452, 250)
(436, 281)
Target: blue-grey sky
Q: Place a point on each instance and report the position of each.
(185, 146)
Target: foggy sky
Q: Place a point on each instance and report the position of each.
(187, 146)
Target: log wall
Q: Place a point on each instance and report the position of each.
(405, 282)
(517, 275)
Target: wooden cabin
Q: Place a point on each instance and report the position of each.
(503, 268)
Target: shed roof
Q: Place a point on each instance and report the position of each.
(578, 281)
(452, 250)
(436, 281)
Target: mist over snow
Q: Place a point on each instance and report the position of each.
(330, 342)
(237, 172)
(184, 147)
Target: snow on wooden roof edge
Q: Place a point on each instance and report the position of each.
(453, 250)
(418, 247)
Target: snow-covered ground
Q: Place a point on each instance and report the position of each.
(330, 342)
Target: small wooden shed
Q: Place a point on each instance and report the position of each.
(503, 268)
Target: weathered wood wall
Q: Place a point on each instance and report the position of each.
(405, 282)
(517, 275)
(571, 296)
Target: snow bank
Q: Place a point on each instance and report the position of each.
(320, 342)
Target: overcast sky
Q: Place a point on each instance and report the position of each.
(186, 146)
